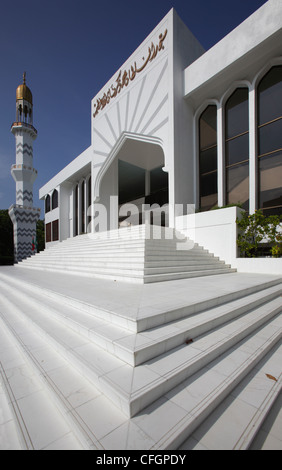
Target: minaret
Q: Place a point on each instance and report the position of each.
(23, 215)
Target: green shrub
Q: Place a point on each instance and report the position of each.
(256, 229)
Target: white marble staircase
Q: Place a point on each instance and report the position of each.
(150, 373)
(140, 254)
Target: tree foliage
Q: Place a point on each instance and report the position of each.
(256, 230)
(40, 235)
(7, 238)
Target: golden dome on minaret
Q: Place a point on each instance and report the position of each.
(23, 92)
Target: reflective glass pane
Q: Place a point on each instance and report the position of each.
(47, 204)
(208, 160)
(237, 149)
(158, 179)
(208, 202)
(270, 96)
(273, 211)
(48, 230)
(270, 137)
(237, 113)
(208, 127)
(55, 230)
(55, 199)
(270, 180)
(237, 185)
(208, 190)
(208, 157)
(131, 182)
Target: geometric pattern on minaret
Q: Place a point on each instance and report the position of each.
(23, 215)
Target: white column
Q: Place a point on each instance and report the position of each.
(85, 205)
(220, 156)
(72, 213)
(79, 208)
(253, 151)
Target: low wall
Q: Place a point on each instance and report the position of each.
(214, 230)
(217, 232)
(259, 265)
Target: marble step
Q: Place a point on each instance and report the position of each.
(178, 364)
(135, 260)
(237, 420)
(150, 278)
(175, 309)
(137, 231)
(156, 248)
(136, 254)
(155, 341)
(129, 267)
(137, 348)
(31, 419)
(138, 238)
(132, 260)
(122, 241)
(132, 277)
(126, 253)
(165, 424)
(132, 389)
(44, 395)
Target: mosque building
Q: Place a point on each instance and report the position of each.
(180, 127)
(89, 361)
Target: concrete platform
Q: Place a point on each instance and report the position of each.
(113, 365)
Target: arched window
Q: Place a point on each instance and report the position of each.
(55, 199)
(208, 158)
(237, 148)
(47, 204)
(269, 94)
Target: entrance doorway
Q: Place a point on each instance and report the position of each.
(132, 175)
(142, 182)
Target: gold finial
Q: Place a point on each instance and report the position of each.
(23, 92)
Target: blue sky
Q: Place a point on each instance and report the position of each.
(69, 50)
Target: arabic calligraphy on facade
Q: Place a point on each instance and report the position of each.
(126, 76)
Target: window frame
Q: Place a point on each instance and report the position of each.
(245, 160)
(200, 150)
(261, 157)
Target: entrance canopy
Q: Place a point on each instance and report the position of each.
(142, 154)
(134, 174)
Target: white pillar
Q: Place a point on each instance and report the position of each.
(79, 208)
(72, 212)
(220, 156)
(253, 151)
(85, 205)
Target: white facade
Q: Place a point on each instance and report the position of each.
(146, 118)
